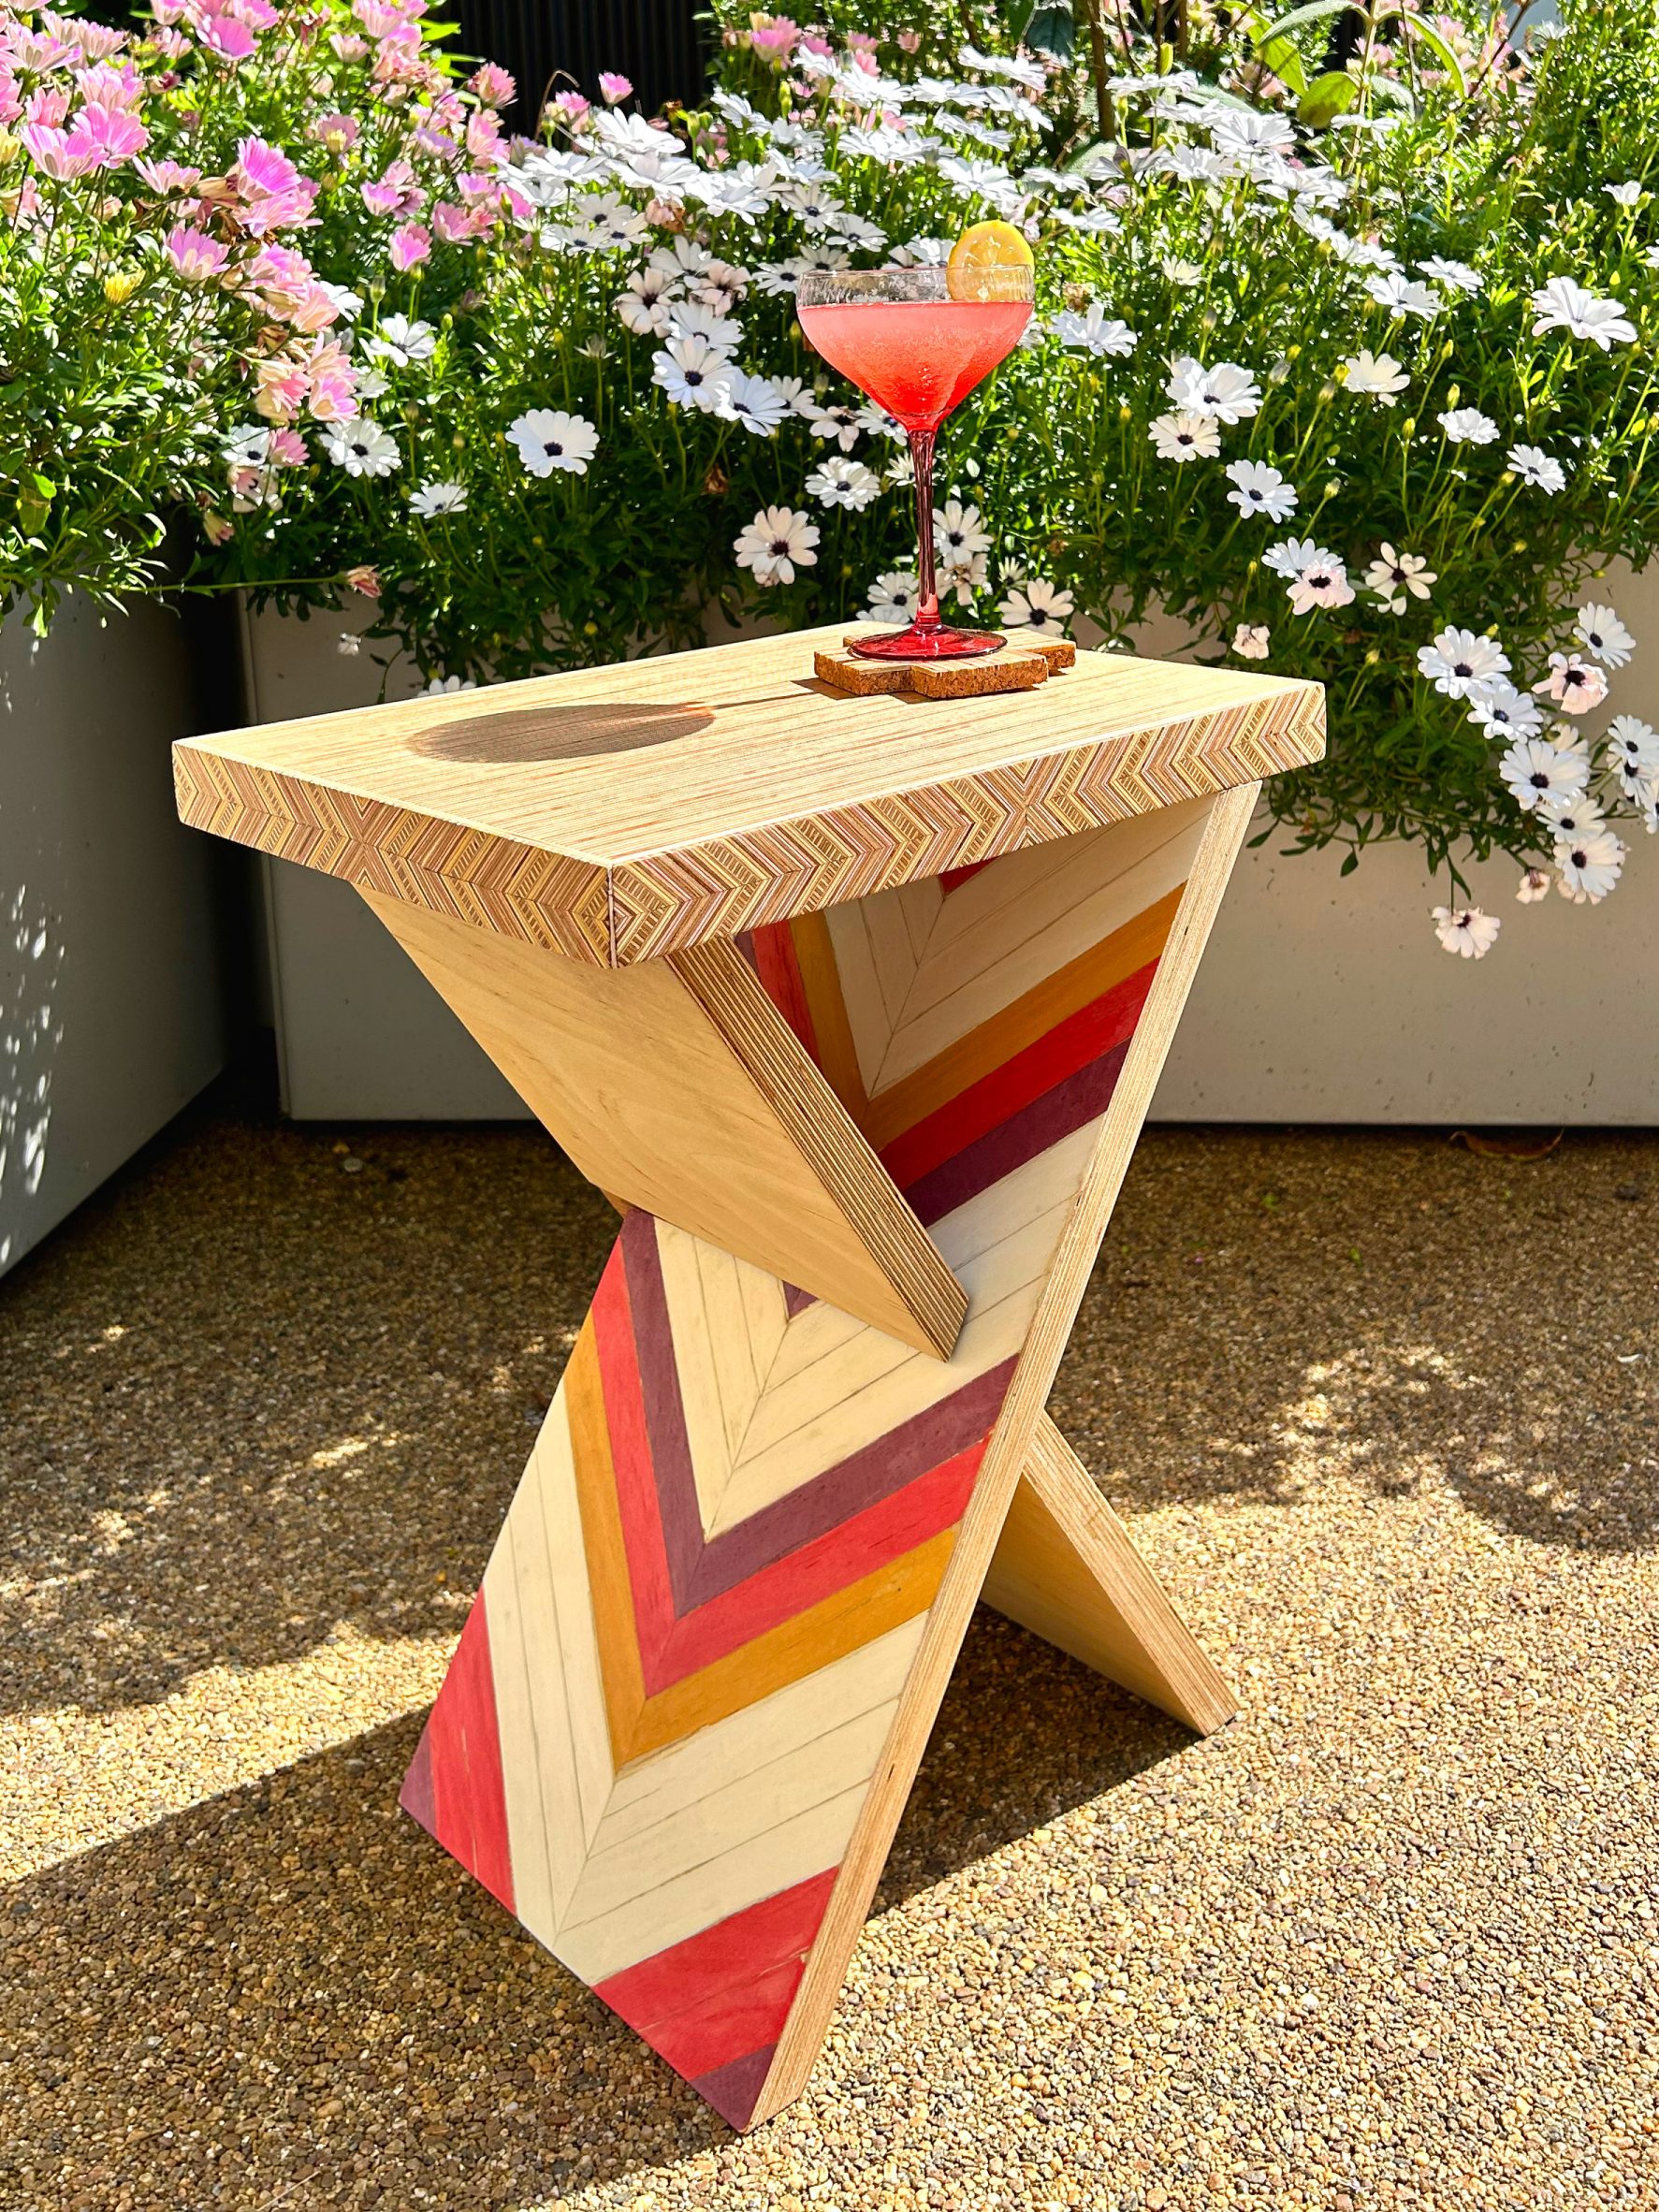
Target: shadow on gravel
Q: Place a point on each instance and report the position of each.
(308, 2003)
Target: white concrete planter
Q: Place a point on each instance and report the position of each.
(112, 993)
(1321, 999)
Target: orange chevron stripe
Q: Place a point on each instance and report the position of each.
(832, 1035)
(1021, 1023)
(855, 1615)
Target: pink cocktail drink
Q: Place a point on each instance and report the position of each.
(917, 349)
(917, 359)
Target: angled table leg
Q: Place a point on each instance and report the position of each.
(687, 1707)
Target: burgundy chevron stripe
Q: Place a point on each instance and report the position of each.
(1081, 1097)
(985, 1105)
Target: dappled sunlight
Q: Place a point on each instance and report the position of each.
(31, 1031)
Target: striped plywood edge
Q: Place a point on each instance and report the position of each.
(690, 1696)
(621, 814)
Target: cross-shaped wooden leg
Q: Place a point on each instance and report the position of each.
(867, 1156)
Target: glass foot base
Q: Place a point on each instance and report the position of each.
(939, 643)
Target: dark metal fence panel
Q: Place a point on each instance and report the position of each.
(658, 44)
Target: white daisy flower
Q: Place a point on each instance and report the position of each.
(839, 482)
(1534, 771)
(879, 424)
(1376, 376)
(1589, 867)
(1626, 195)
(776, 542)
(839, 421)
(1034, 605)
(1536, 467)
(1562, 305)
(1601, 633)
(361, 449)
(720, 288)
(1571, 815)
(1401, 296)
(692, 373)
(756, 402)
(401, 343)
(1321, 584)
(893, 598)
(1457, 276)
(1633, 745)
(1226, 392)
(1250, 641)
(1503, 711)
(957, 533)
(438, 499)
(642, 305)
(441, 685)
(548, 439)
(964, 576)
(1186, 273)
(1534, 885)
(1259, 489)
(1576, 684)
(1466, 930)
(1463, 665)
(690, 318)
(1290, 556)
(1467, 426)
(1184, 437)
(350, 644)
(1395, 576)
(1095, 331)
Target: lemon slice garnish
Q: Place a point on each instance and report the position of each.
(990, 261)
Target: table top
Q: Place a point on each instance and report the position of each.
(618, 814)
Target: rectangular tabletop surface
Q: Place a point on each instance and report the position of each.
(620, 813)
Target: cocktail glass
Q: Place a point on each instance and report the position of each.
(917, 351)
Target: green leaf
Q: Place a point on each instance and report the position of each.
(1282, 58)
(1016, 17)
(45, 486)
(1051, 28)
(1349, 865)
(1300, 18)
(1437, 45)
(1329, 96)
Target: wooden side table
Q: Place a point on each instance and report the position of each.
(853, 1006)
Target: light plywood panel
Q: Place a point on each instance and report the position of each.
(623, 813)
(1064, 1568)
(685, 1092)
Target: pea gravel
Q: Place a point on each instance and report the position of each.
(1380, 1410)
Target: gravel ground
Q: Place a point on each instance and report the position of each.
(1380, 1410)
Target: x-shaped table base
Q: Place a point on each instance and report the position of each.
(866, 1158)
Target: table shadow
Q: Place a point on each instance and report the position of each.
(519, 737)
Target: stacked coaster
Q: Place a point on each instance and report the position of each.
(1012, 668)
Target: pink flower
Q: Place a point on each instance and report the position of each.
(313, 310)
(363, 578)
(47, 104)
(862, 41)
(167, 176)
(571, 106)
(483, 132)
(338, 133)
(814, 44)
(348, 45)
(476, 185)
(108, 135)
(223, 35)
(614, 87)
(48, 149)
(172, 46)
(910, 41)
(492, 85)
(217, 528)
(288, 449)
(284, 384)
(196, 256)
(332, 382)
(95, 42)
(262, 172)
(394, 193)
(378, 19)
(121, 88)
(411, 242)
(776, 37)
(453, 224)
(277, 268)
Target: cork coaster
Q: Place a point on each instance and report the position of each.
(1015, 668)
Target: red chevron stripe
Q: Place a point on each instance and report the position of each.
(995, 1098)
(953, 877)
(672, 1647)
(462, 1750)
(724, 1993)
(773, 949)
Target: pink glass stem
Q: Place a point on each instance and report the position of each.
(927, 594)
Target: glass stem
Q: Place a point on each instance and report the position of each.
(927, 594)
